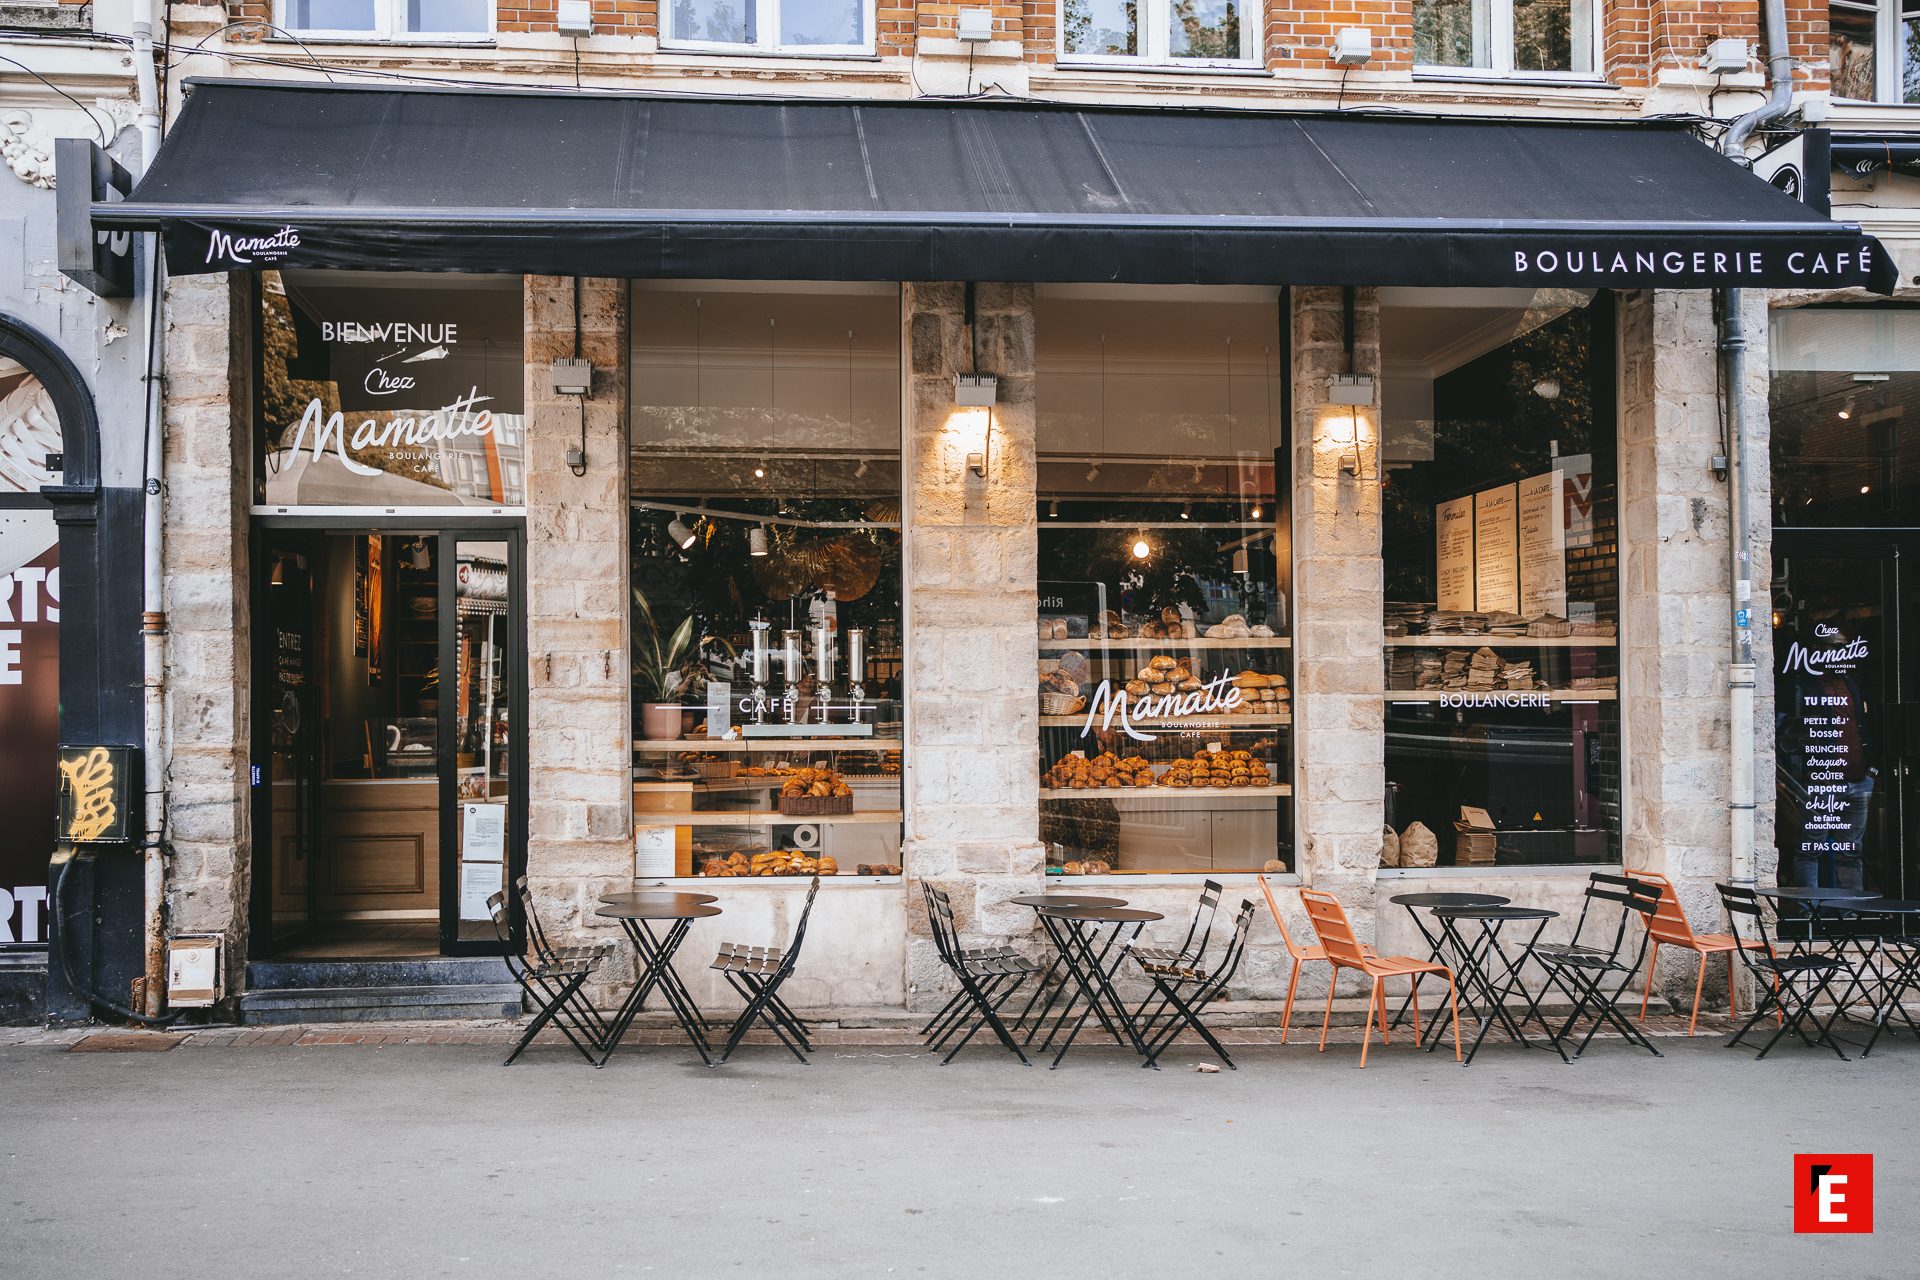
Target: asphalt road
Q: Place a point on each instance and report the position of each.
(426, 1161)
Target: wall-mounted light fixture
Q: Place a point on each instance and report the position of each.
(977, 391)
(1353, 391)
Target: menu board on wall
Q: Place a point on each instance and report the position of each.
(1543, 557)
(1453, 542)
(1826, 783)
(1496, 559)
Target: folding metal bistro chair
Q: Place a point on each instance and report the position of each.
(1191, 951)
(1344, 951)
(1188, 987)
(1789, 984)
(553, 986)
(1669, 927)
(987, 981)
(1584, 969)
(757, 974)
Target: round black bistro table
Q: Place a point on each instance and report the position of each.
(1482, 965)
(638, 914)
(629, 897)
(1091, 962)
(1050, 987)
(1890, 955)
(1414, 901)
(1066, 900)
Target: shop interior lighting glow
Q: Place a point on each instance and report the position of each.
(1141, 548)
(760, 469)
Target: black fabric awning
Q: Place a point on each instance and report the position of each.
(259, 174)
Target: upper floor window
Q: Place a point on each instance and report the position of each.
(1874, 50)
(1505, 37)
(1183, 32)
(771, 26)
(387, 19)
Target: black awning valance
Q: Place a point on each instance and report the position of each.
(272, 174)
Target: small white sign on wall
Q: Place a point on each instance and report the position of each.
(652, 853)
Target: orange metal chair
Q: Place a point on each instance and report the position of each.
(1345, 951)
(1301, 955)
(1669, 928)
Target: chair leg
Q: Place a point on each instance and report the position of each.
(1386, 1033)
(1733, 993)
(1366, 1036)
(1699, 985)
(1646, 992)
(1326, 1019)
(1413, 1002)
(1286, 1014)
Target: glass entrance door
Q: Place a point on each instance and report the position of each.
(390, 791)
(1846, 615)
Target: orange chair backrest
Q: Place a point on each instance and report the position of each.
(1293, 948)
(1668, 923)
(1330, 922)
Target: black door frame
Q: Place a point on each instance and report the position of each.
(1898, 552)
(446, 529)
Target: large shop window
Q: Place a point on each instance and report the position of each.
(766, 580)
(771, 26)
(1846, 449)
(389, 392)
(1504, 37)
(390, 19)
(1874, 49)
(1169, 32)
(1498, 470)
(1166, 715)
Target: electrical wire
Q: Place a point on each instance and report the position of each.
(250, 23)
(91, 119)
(93, 998)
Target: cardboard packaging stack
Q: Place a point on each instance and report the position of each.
(1473, 842)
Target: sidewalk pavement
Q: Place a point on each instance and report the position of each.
(409, 1152)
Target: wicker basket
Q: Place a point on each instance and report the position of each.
(717, 770)
(815, 806)
(1061, 704)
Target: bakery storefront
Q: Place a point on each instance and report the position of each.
(914, 517)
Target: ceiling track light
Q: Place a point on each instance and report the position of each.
(757, 540)
(1093, 473)
(1053, 510)
(760, 469)
(1141, 547)
(682, 534)
(1186, 511)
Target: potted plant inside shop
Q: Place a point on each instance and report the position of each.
(657, 673)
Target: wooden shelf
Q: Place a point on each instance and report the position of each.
(1553, 695)
(769, 744)
(1160, 792)
(1502, 642)
(1203, 642)
(1213, 724)
(764, 819)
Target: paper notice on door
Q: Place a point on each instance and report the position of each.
(1453, 568)
(652, 853)
(1496, 550)
(719, 708)
(483, 832)
(478, 882)
(1543, 540)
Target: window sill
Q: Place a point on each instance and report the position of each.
(1495, 79)
(1098, 67)
(1581, 869)
(374, 38)
(692, 52)
(1169, 879)
(680, 884)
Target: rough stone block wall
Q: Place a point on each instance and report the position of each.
(1677, 604)
(972, 785)
(1338, 593)
(579, 736)
(208, 659)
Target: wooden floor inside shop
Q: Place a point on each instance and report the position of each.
(365, 940)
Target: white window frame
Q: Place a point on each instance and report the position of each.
(1500, 55)
(389, 24)
(1888, 88)
(767, 22)
(1158, 41)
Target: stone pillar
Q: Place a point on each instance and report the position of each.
(579, 739)
(209, 724)
(972, 786)
(1676, 601)
(1340, 680)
